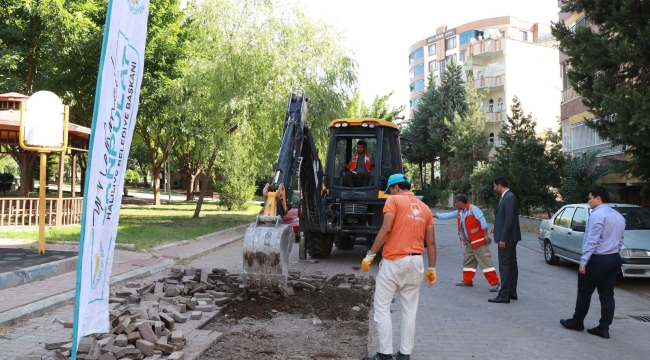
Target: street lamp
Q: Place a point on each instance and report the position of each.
(44, 129)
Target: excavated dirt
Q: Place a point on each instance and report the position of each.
(309, 325)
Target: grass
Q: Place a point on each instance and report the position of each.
(149, 226)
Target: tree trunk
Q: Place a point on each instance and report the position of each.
(433, 172)
(156, 185)
(421, 175)
(199, 203)
(190, 186)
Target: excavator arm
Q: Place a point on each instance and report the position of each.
(268, 241)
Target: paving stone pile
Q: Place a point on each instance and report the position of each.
(143, 316)
(319, 280)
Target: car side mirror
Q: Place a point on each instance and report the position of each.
(578, 228)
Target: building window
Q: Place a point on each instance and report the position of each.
(418, 86)
(466, 36)
(442, 68)
(579, 23)
(491, 138)
(450, 43)
(414, 102)
(432, 50)
(418, 69)
(417, 54)
(462, 56)
(433, 66)
(565, 77)
(500, 105)
(491, 105)
(524, 35)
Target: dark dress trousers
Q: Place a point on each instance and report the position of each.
(506, 228)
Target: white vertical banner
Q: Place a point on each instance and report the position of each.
(116, 107)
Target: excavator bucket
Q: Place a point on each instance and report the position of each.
(267, 245)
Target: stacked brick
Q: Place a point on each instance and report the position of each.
(143, 316)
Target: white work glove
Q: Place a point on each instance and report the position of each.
(365, 263)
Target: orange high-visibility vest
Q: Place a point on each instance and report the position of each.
(473, 226)
(353, 163)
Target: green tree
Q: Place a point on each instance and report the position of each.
(248, 56)
(609, 67)
(422, 146)
(379, 109)
(467, 143)
(139, 158)
(581, 174)
(52, 45)
(532, 165)
(481, 185)
(160, 120)
(450, 99)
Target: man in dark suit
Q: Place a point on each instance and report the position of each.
(507, 234)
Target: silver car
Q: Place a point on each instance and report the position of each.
(561, 237)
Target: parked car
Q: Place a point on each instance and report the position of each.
(561, 237)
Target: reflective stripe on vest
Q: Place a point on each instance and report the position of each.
(475, 233)
(353, 163)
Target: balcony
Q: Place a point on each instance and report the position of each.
(487, 47)
(494, 113)
(605, 149)
(495, 83)
(582, 139)
(569, 94)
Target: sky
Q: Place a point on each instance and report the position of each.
(380, 32)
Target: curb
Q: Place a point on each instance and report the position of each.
(199, 252)
(373, 337)
(40, 307)
(183, 242)
(120, 246)
(37, 272)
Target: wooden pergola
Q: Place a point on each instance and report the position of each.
(22, 211)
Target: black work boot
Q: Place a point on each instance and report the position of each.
(400, 356)
(380, 356)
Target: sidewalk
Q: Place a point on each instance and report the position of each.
(36, 298)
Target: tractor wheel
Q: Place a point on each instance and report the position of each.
(319, 246)
(344, 242)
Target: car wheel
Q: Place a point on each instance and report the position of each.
(549, 254)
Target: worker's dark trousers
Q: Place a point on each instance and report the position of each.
(350, 177)
(600, 274)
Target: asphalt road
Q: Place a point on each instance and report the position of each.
(459, 323)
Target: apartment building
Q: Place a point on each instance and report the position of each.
(506, 55)
(578, 139)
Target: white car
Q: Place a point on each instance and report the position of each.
(561, 237)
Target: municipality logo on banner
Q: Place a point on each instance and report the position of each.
(116, 107)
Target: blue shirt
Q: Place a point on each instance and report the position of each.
(603, 233)
(478, 214)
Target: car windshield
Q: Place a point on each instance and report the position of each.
(636, 218)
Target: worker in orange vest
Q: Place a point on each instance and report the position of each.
(359, 166)
(474, 236)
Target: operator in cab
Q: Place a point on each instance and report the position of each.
(359, 167)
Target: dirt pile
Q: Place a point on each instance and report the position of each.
(327, 318)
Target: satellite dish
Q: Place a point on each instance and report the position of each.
(487, 33)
